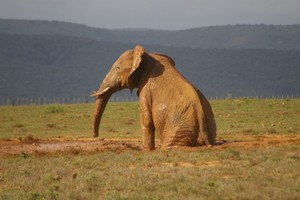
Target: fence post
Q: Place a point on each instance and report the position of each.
(79, 100)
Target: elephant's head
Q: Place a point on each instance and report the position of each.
(121, 75)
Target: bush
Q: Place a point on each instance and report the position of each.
(54, 109)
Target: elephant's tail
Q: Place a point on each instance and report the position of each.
(209, 120)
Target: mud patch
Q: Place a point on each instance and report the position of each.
(212, 163)
(262, 140)
(10, 148)
(80, 146)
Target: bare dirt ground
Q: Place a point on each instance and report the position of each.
(31, 146)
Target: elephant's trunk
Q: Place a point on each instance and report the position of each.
(101, 102)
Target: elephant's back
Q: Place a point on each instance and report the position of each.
(174, 111)
(174, 104)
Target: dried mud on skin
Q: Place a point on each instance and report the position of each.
(82, 146)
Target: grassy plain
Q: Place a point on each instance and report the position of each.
(121, 120)
(262, 172)
(68, 121)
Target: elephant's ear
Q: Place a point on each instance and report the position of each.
(136, 61)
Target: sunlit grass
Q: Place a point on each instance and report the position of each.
(68, 121)
(263, 172)
(121, 120)
(258, 173)
(254, 117)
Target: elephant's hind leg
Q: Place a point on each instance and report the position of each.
(180, 139)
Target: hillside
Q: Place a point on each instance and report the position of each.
(40, 27)
(281, 37)
(64, 66)
(228, 37)
(52, 66)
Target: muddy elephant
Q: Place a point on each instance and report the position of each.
(170, 106)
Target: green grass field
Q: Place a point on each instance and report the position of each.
(258, 172)
(68, 121)
(121, 120)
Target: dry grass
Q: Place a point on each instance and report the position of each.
(259, 172)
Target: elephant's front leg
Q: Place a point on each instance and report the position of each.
(147, 126)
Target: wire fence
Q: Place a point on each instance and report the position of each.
(81, 100)
(59, 100)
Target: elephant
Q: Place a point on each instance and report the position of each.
(170, 106)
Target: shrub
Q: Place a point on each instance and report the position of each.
(54, 109)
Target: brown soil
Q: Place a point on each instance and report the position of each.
(45, 147)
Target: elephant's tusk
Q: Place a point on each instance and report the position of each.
(93, 94)
(98, 93)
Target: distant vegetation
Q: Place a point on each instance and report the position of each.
(283, 37)
(57, 59)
